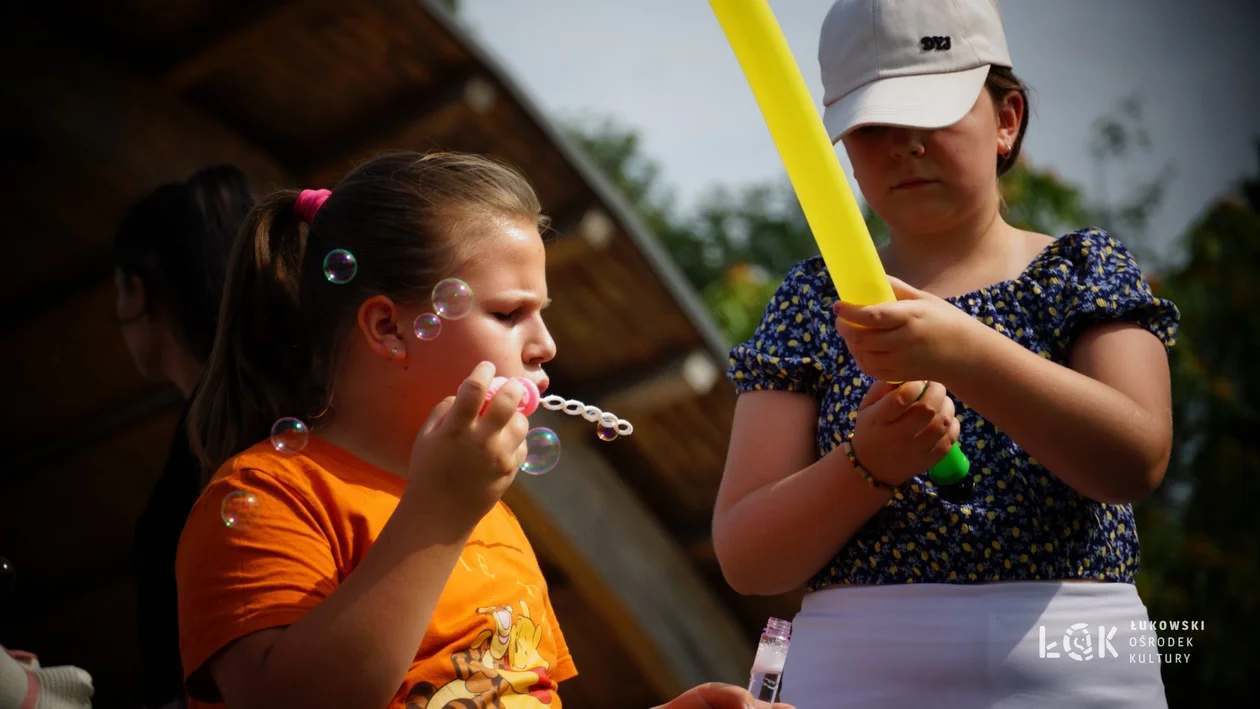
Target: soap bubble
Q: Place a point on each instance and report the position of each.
(289, 435)
(543, 446)
(427, 326)
(239, 508)
(340, 266)
(8, 575)
(452, 299)
(607, 433)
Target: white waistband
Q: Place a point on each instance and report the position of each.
(914, 598)
(1002, 644)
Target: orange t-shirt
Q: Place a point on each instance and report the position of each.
(274, 534)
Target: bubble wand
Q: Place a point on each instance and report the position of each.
(542, 443)
(809, 158)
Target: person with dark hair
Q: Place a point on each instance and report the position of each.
(170, 258)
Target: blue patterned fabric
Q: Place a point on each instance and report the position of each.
(1020, 523)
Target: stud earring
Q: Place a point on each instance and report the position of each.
(393, 352)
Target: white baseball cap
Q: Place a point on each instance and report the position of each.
(913, 63)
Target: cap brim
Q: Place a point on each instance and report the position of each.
(924, 101)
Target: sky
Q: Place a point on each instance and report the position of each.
(664, 69)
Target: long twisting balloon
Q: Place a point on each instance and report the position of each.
(801, 139)
(830, 208)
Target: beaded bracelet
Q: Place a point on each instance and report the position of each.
(857, 465)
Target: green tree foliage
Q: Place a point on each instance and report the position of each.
(1201, 533)
(1119, 136)
(1037, 200)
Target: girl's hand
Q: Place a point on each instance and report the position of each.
(904, 430)
(717, 695)
(462, 463)
(918, 336)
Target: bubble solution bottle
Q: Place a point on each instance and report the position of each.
(767, 667)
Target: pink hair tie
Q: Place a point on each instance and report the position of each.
(308, 203)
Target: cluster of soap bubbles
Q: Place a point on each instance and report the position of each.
(452, 300)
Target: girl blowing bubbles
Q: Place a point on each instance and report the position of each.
(364, 570)
(1053, 352)
(377, 566)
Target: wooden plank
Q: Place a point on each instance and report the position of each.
(623, 562)
(684, 446)
(85, 433)
(89, 140)
(679, 378)
(94, 630)
(408, 121)
(72, 523)
(576, 237)
(55, 201)
(115, 117)
(224, 49)
(68, 366)
(607, 676)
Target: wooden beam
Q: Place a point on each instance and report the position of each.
(622, 561)
(220, 52)
(86, 433)
(411, 120)
(95, 631)
(97, 138)
(679, 378)
(577, 237)
(65, 369)
(87, 105)
(73, 521)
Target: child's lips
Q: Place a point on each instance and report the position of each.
(913, 182)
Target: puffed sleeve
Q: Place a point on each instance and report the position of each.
(252, 556)
(1100, 281)
(787, 351)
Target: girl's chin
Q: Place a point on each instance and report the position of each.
(918, 221)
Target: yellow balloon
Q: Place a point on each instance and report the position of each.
(807, 153)
(810, 160)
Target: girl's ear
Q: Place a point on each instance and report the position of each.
(378, 325)
(1010, 113)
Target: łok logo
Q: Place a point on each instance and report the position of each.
(1078, 643)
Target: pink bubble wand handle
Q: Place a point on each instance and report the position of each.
(529, 402)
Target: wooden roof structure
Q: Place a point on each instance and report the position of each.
(101, 102)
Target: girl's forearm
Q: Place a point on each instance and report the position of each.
(778, 536)
(1091, 436)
